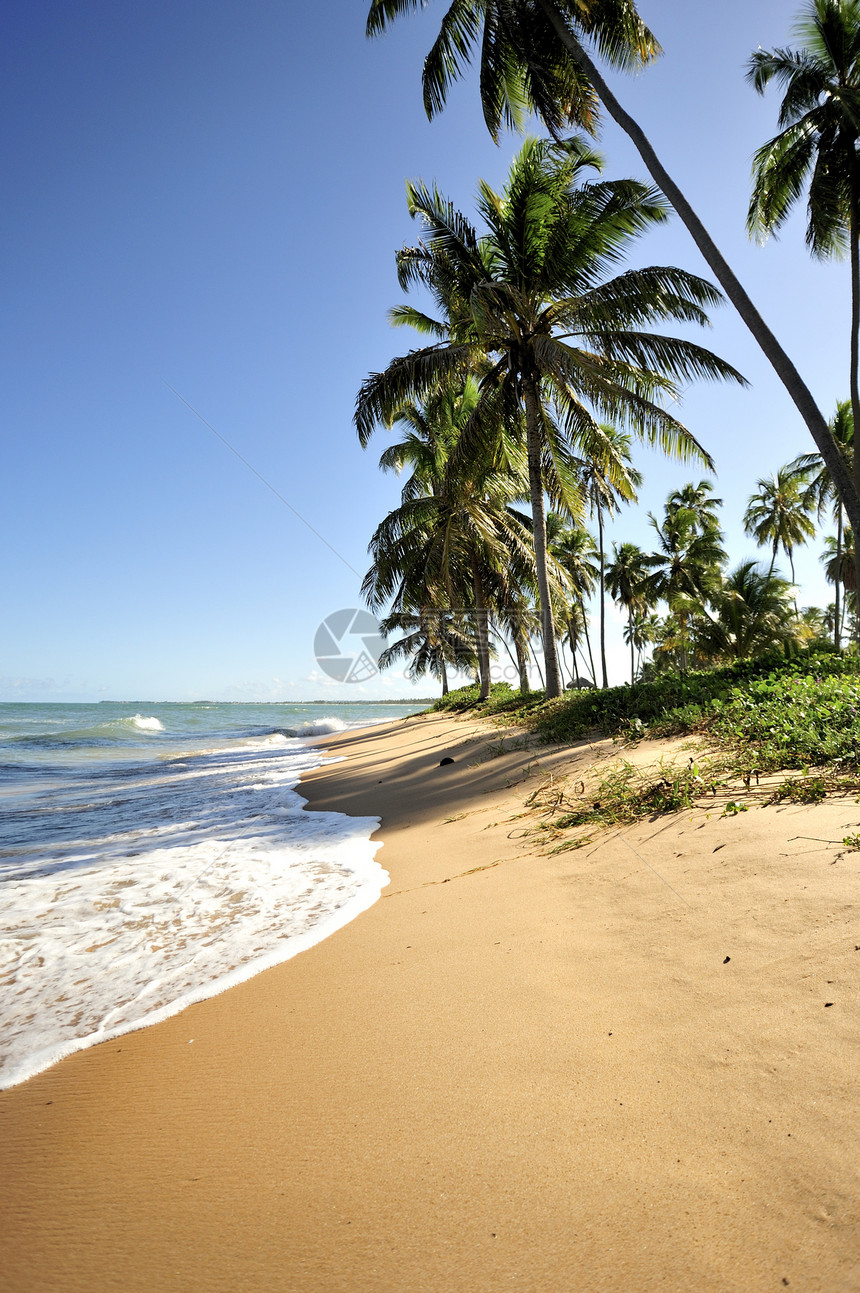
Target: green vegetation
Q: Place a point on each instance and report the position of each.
(538, 56)
(541, 362)
(772, 714)
(798, 716)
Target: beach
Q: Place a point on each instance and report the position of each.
(631, 1066)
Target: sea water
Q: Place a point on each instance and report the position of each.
(152, 855)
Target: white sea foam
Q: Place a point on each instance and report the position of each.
(146, 724)
(201, 873)
(322, 727)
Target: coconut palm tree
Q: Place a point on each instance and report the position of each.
(574, 550)
(820, 493)
(456, 539)
(816, 148)
(753, 615)
(640, 632)
(627, 581)
(839, 561)
(604, 492)
(534, 56)
(530, 305)
(432, 640)
(685, 570)
(779, 515)
(698, 503)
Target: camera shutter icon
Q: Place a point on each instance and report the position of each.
(348, 644)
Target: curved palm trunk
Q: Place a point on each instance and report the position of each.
(847, 489)
(482, 638)
(553, 685)
(602, 596)
(837, 620)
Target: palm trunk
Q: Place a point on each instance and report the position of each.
(444, 678)
(482, 642)
(632, 656)
(522, 662)
(534, 656)
(573, 638)
(588, 645)
(837, 624)
(847, 489)
(793, 580)
(854, 234)
(602, 597)
(553, 685)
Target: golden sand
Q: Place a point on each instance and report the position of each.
(629, 1067)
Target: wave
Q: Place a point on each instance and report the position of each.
(110, 733)
(322, 726)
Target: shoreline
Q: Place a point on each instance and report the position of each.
(514, 1070)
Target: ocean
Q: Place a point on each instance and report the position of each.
(153, 855)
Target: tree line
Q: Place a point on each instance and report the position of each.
(544, 358)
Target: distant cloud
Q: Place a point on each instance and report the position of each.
(23, 689)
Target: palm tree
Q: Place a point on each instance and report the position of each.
(432, 640)
(627, 581)
(456, 539)
(698, 503)
(574, 550)
(753, 615)
(640, 632)
(532, 300)
(604, 492)
(839, 561)
(816, 149)
(685, 571)
(533, 57)
(779, 515)
(819, 491)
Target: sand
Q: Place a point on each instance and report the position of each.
(628, 1067)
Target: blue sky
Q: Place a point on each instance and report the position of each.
(209, 197)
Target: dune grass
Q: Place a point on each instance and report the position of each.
(798, 715)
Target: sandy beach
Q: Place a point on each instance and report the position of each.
(633, 1066)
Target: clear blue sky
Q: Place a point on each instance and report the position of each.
(211, 196)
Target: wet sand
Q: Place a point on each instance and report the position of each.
(628, 1067)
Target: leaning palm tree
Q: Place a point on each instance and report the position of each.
(820, 493)
(534, 56)
(627, 580)
(560, 344)
(779, 515)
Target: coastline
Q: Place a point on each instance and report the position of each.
(515, 1070)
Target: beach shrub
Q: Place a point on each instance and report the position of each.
(778, 711)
